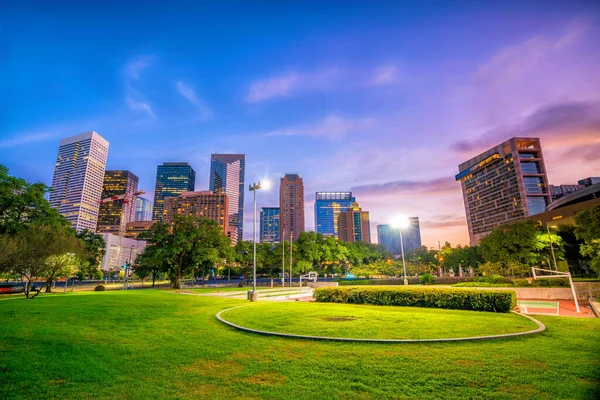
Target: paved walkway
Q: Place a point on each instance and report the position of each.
(271, 294)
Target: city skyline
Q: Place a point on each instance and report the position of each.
(388, 114)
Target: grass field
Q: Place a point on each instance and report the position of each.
(151, 344)
(375, 322)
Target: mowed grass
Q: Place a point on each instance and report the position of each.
(152, 344)
(374, 322)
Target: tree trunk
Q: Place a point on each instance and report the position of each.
(153, 278)
(48, 286)
(241, 284)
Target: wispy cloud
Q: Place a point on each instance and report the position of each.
(332, 127)
(288, 84)
(570, 123)
(134, 67)
(26, 138)
(433, 186)
(190, 95)
(385, 75)
(139, 105)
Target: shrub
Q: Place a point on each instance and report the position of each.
(426, 279)
(456, 299)
(99, 288)
(554, 282)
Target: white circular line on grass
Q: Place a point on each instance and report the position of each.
(541, 328)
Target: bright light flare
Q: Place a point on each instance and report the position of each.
(265, 184)
(400, 221)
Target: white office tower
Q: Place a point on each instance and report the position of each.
(78, 179)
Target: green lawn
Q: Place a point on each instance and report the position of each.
(375, 322)
(151, 344)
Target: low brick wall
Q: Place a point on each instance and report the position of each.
(582, 289)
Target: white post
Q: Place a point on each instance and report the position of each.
(283, 264)
(403, 263)
(291, 240)
(254, 245)
(551, 247)
(574, 294)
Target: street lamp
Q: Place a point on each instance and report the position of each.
(551, 245)
(402, 222)
(253, 188)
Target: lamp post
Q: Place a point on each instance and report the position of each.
(253, 188)
(401, 223)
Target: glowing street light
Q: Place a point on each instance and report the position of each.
(402, 222)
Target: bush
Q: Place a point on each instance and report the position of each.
(450, 298)
(426, 279)
(548, 283)
(99, 288)
(444, 280)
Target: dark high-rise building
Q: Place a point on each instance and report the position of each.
(291, 207)
(328, 206)
(115, 214)
(389, 237)
(143, 209)
(227, 172)
(353, 225)
(204, 204)
(172, 179)
(504, 183)
(269, 225)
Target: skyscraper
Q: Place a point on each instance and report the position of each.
(504, 183)
(78, 178)
(172, 179)
(115, 214)
(227, 172)
(328, 206)
(353, 225)
(143, 209)
(203, 204)
(389, 237)
(269, 225)
(291, 207)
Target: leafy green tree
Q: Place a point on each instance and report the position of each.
(454, 258)
(578, 263)
(23, 204)
(61, 265)
(188, 246)
(519, 246)
(94, 251)
(30, 251)
(147, 264)
(588, 230)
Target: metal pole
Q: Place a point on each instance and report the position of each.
(574, 294)
(291, 241)
(283, 264)
(254, 245)
(403, 262)
(551, 247)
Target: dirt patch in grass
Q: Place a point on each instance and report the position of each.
(531, 363)
(523, 391)
(338, 318)
(269, 378)
(214, 368)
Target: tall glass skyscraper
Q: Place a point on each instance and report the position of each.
(227, 172)
(389, 237)
(114, 215)
(269, 225)
(172, 179)
(353, 225)
(78, 179)
(328, 206)
(143, 209)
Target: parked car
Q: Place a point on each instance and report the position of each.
(7, 288)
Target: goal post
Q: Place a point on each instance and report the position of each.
(542, 273)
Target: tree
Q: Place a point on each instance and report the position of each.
(30, 250)
(189, 245)
(518, 246)
(94, 251)
(588, 230)
(578, 263)
(61, 265)
(23, 204)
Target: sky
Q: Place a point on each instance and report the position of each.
(381, 98)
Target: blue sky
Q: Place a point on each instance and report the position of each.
(381, 98)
